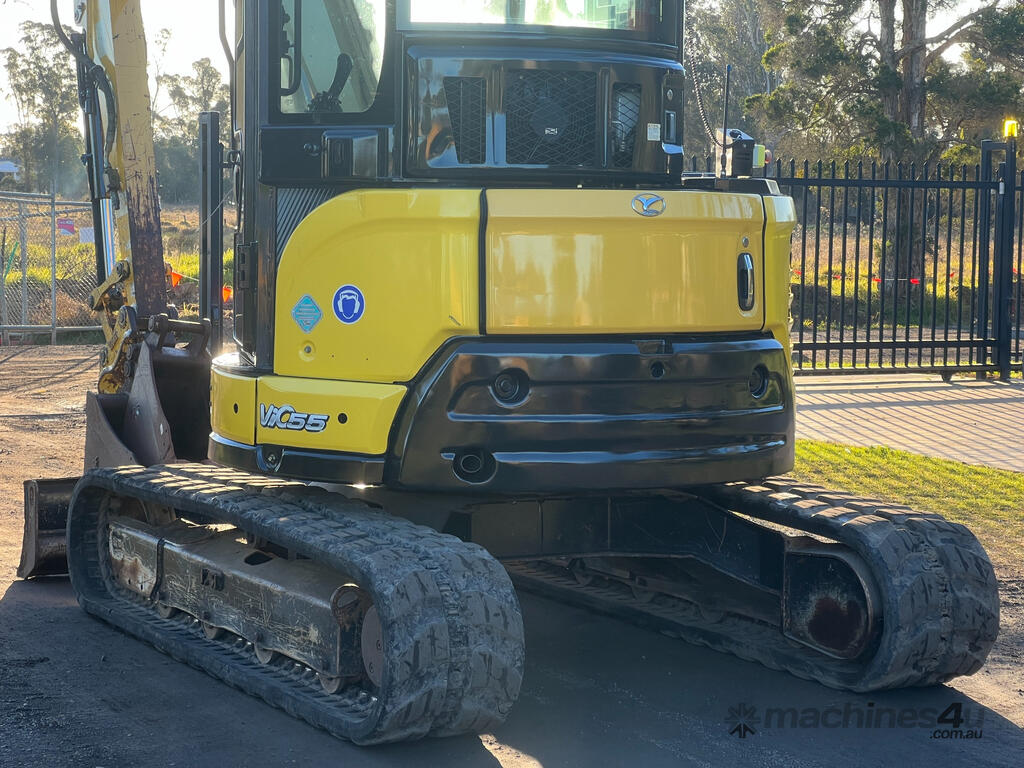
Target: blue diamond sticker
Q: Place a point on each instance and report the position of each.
(307, 314)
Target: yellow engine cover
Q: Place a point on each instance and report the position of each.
(411, 255)
(585, 262)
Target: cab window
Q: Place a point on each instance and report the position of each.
(331, 54)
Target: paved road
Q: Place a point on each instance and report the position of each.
(978, 422)
(74, 692)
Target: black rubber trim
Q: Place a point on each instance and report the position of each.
(322, 466)
(482, 261)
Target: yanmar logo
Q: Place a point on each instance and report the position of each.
(286, 417)
(649, 205)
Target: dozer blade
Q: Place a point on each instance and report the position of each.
(44, 547)
(122, 429)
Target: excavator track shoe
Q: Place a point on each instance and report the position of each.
(936, 591)
(447, 643)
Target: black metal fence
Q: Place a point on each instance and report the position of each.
(899, 267)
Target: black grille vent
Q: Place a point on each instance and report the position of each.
(625, 123)
(467, 109)
(551, 117)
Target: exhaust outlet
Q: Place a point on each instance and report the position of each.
(474, 466)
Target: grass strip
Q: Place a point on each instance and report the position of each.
(987, 500)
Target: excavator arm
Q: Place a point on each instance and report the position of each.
(114, 92)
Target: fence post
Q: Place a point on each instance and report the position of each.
(1001, 278)
(3, 287)
(1004, 253)
(23, 239)
(1002, 256)
(984, 243)
(53, 267)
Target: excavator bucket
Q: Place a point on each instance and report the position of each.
(43, 548)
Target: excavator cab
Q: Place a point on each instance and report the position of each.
(484, 328)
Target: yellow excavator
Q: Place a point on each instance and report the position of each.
(485, 331)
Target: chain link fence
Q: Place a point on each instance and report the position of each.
(48, 267)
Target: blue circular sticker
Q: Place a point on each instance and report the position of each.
(349, 304)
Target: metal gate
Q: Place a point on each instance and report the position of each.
(907, 268)
(47, 267)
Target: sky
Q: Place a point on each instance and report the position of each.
(193, 25)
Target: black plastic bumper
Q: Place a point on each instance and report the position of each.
(296, 463)
(594, 415)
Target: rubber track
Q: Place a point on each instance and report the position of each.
(452, 624)
(940, 602)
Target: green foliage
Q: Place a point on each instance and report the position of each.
(851, 83)
(176, 131)
(815, 79)
(720, 35)
(177, 169)
(76, 265)
(41, 75)
(969, 100)
(187, 264)
(1001, 33)
(45, 141)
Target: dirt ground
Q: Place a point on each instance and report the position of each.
(75, 692)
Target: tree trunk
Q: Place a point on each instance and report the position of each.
(55, 162)
(912, 102)
(891, 108)
(28, 168)
(912, 97)
(887, 53)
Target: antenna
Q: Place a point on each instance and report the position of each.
(725, 118)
